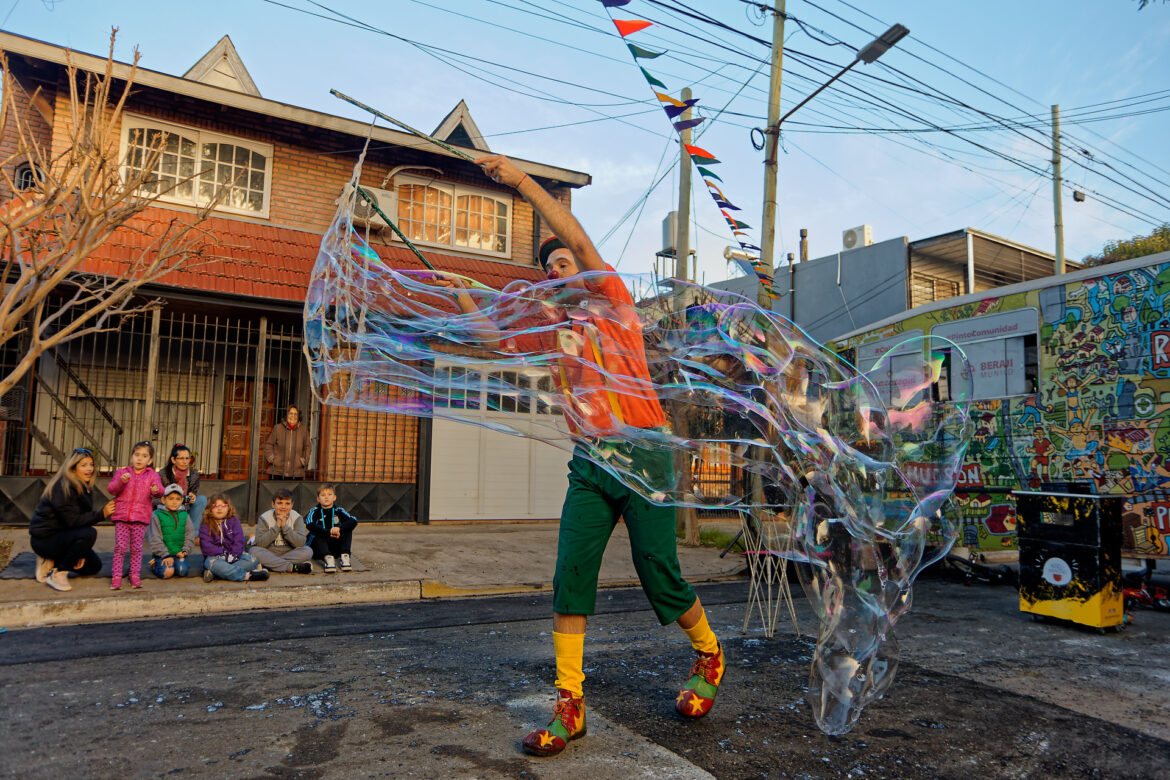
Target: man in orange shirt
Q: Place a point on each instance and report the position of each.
(603, 375)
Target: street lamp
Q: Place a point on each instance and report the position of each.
(869, 54)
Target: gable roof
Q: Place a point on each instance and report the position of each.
(46, 52)
(459, 129)
(262, 261)
(221, 66)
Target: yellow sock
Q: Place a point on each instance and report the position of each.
(701, 636)
(570, 652)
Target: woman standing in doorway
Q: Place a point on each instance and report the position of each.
(287, 447)
(62, 530)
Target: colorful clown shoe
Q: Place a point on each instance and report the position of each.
(698, 695)
(568, 723)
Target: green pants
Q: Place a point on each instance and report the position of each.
(594, 502)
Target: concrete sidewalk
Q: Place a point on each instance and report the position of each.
(407, 562)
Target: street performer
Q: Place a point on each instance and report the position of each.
(602, 373)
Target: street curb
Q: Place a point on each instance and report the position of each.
(30, 614)
(147, 606)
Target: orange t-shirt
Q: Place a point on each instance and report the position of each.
(602, 369)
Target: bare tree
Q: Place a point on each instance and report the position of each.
(77, 199)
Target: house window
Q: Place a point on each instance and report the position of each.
(454, 216)
(192, 166)
(26, 176)
(514, 392)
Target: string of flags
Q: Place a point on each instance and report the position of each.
(702, 159)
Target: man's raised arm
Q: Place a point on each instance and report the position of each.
(559, 218)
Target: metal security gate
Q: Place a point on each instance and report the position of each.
(216, 382)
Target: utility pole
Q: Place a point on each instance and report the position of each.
(682, 243)
(685, 518)
(1057, 214)
(771, 144)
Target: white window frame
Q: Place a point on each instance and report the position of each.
(1028, 325)
(455, 191)
(200, 137)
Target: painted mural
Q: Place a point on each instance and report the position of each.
(1073, 382)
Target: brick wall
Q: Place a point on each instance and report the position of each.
(25, 82)
(310, 166)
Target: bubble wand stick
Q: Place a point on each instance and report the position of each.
(457, 152)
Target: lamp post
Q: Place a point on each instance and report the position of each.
(876, 48)
(867, 54)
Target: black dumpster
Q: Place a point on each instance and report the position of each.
(1070, 555)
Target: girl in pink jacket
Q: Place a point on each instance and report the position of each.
(133, 487)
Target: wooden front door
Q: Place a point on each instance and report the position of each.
(237, 425)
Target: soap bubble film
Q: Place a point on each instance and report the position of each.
(856, 466)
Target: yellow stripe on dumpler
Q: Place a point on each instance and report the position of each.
(701, 636)
(570, 650)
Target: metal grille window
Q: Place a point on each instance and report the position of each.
(448, 215)
(925, 289)
(366, 446)
(193, 165)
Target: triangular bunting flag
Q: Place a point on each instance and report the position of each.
(651, 79)
(717, 192)
(695, 151)
(674, 109)
(745, 266)
(643, 54)
(627, 26)
(668, 99)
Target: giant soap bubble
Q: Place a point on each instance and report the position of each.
(857, 466)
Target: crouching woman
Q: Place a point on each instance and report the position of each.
(61, 531)
(221, 539)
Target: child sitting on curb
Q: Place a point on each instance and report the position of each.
(279, 544)
(332, 531)
(221, 538)
(171, 536)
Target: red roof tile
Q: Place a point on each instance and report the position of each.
(264, 261)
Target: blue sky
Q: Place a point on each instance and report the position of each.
(560, 63)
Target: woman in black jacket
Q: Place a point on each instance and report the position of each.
(180, 471)
(61, 530)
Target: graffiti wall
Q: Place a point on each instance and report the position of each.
(1072, 383)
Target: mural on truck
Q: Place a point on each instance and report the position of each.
(1072, 383)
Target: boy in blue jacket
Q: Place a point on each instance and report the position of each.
(330, 531)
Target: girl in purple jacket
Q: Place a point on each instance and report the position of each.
(134, 489)
(221, 540)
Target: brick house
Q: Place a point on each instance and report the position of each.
(222, 359)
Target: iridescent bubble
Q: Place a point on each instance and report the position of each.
(856, 466)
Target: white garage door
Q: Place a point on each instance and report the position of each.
(481, 474)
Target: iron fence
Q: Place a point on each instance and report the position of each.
(216, 382)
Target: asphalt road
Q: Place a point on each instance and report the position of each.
(447, 689)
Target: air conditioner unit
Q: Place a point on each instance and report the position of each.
(862, 235)
(364, 213)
